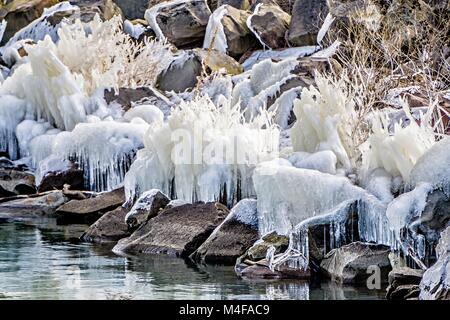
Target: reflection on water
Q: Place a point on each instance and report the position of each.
(41, 260)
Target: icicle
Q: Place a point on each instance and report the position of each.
(215, 37)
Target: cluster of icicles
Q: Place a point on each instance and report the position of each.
(218, 143)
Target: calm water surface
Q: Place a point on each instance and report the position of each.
(41, 260)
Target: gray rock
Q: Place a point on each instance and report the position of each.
(56, 180)
(134, 9)
(350, 263)
(38, 205)
(183, 23)
(106, 9)
(91, 209)
(271, 24)
(184, 71)
(146, 207)
(128, 97)
(110, 228)
(13, 182)
(403, 283)
(306, 21)
(233, 237)
(178, 231)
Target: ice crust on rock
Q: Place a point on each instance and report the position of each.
(215, 37)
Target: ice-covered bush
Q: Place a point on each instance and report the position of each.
(203, 152)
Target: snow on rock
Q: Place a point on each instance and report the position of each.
(433, 167)
(283, 106)
(52, 163)
(146, 207)
(325, 119)
(323, 161)
(289, 53)
(148, 113)
(40, 28)
(380, 183)
(245, 211)
(203, 152)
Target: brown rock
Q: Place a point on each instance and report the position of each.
(110, 228)
(178, 231)
(32, 206)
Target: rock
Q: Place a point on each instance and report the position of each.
(110, 228)
(233, 237)
(285, 5)
(68, 174)
(19, 13)
(184, 71)
(7, 164)
(178, 231)
(238, 36)
(106, 9)
(259, 250)
(350, 263)
(14, 182)
(305, 21)
(134, 9)
(146, 207)
(182, 23)
(91, 209)
(270, 25)
(33, 206)
(129, 97)
(435, 284)
(403, 283)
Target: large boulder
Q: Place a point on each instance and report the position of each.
(233, 237)
(183, 72)
(270, 24)
(177, 231)
(146, 207)
(350, 263)
(90, 209)
(19, 13)
(13, 182)
(182, 23)
(110, 228)
(435, 284)
(33, 206)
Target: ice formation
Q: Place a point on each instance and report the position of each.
(282, 107)
(12, 112)
(203, 152)
(41, 27)
(433, 167)
(215, 37)
(265, 81)
(323, 161)
(399, 151)
(289, 53)
(325, 121)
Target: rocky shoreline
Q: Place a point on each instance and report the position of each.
(362, 207)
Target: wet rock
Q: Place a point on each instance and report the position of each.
(306, 21)
(110, 228)
(19, 14)
(270, 24)
(403, 283)
(435, 284)
(146, 207)
(178, 231)
(182, 23)
(91, 209)
(33, 206)
(13, 182)
(233, 237)
(259, 250)
(285, 5)
(350, 263)
(69, 174)
(184, 71)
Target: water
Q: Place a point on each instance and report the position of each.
(41, 260)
